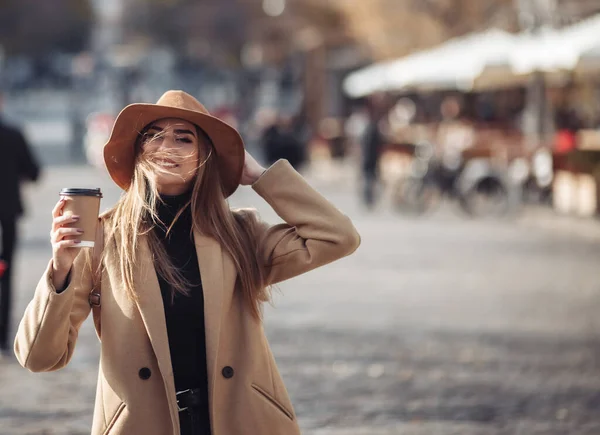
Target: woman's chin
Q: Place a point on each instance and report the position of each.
(171, 181)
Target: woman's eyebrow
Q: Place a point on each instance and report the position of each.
(184, 131)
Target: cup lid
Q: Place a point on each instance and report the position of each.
(75, 191)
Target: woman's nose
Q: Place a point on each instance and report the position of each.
(167, 141)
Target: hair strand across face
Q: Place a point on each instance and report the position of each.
(135, 217)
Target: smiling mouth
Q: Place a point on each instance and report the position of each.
(167, 163)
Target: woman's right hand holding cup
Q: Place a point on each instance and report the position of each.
(64, 240)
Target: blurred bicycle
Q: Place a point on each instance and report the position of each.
(480, 189)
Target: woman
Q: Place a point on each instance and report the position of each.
(183, 278)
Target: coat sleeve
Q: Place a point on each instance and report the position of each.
(315, 232)
(47, 334)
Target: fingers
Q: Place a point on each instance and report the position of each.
(73, 243)
(61, 233)
(57, 210)
(69, 232)
(63, 220)
(61, 236)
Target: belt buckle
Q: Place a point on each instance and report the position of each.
(178, 394)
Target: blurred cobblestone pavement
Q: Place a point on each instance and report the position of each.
(440, 326)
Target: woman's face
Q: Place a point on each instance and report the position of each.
(173, 149)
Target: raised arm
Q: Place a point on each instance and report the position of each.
(315, 232)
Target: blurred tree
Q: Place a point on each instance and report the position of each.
(392, 28)
(210, 28)
(35, 28)
(220, 29)
(386, 28)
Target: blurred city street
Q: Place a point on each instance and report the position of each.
(441, 325)
(462, 137)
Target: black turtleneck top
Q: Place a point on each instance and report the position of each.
(184, 314)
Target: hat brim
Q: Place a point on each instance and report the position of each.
(119, 151)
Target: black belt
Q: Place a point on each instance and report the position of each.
(190, 399)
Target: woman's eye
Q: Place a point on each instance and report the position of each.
(150, 137)
(184, 140)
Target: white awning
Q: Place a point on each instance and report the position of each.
(367, 81)
(485, 60)
(456, 64)
(554, 50)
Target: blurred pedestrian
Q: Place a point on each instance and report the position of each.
(372, 145)
(284, 139)
(302, 132)
(183, 279)
(270, 141)
(17, 164)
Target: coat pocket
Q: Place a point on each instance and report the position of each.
(114, 419)
(275, 403)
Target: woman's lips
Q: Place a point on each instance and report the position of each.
(166, 163)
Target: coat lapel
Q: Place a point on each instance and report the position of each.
(151, 309)
(210, 260)
(150, 305)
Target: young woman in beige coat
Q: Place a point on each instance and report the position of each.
(182, 279)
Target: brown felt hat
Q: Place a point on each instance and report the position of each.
(119, 151)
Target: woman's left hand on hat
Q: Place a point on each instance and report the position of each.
(252, 170)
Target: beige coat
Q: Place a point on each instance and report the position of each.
(136, 392)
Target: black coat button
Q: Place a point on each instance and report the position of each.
(227, 372)
(145, 373)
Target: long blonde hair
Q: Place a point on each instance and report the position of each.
(135, 215)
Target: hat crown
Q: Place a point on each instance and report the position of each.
(181, 100)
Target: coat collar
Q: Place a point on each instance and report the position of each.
(151, 308)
